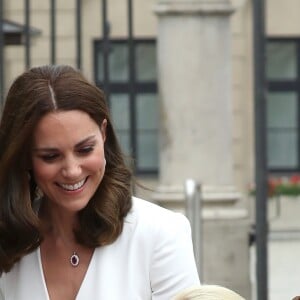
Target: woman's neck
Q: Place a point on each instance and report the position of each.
(60, 224)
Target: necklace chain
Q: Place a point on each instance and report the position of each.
(74, 258)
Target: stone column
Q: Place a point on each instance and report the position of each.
(194, 64)
(194, 71)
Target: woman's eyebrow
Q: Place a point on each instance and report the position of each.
(44, 149)
(78, 145)
(88, 139)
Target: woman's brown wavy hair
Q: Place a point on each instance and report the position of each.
(28, 100)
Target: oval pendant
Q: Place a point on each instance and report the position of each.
(74, 260)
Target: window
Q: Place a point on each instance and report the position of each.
(133, 103)
(283, 78)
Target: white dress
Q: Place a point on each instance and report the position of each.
(152, 259)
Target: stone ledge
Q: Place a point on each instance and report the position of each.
(210, 195)
(224, 214)
(216, 7)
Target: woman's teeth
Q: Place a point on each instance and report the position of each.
(73, 187)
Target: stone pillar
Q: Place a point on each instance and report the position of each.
(194, 71)
(194, 64)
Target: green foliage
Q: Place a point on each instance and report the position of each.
(287, 190)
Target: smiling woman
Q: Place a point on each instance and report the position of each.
(68, 160)
(65, 193)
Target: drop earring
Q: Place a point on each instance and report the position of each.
(38, 193)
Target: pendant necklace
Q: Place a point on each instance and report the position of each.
(74, 259)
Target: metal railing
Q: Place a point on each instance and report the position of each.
(194, 214)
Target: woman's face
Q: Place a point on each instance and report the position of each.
(68, 158)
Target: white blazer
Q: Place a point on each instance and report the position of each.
(152, 259)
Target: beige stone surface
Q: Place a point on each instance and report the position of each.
(283, 18)
(196, 133)
(225, 247)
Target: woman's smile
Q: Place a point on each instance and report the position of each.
(73, 187)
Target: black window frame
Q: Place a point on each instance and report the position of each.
(287, 85)
(136, 86)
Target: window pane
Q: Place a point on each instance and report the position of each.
(282, 110)
(147, 150)
(119, 108)
(282, 126)
(100, 67)
(281, 60)
(118, 62)
(147, 131)
(282, 149)
(124, 140)
(147, 111)
(145, 62)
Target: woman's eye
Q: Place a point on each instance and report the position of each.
(86, 150)
(49, 157)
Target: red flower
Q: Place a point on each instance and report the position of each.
(295, 179)
(272, 184)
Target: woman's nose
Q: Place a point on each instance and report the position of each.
(71, 168)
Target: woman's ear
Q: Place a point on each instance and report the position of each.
(103, 129)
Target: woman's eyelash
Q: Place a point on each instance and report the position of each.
(86, 149)
(52, 156)
(49, 157)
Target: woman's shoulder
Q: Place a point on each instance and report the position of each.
(149, 214)
(147, 209)
(17, 279)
